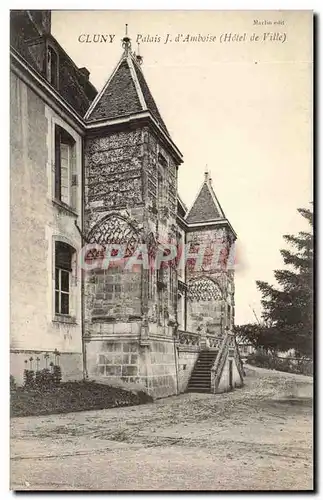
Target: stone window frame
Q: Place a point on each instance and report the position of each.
(73, 282)
(63, 137)
(75, 207)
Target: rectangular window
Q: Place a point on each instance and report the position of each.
(62, 291)
(63, 271)
(64, 166)
(65, 172)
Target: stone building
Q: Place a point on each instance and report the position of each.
(92, 172)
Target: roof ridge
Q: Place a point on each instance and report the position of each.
(130, 59)
(215, 198)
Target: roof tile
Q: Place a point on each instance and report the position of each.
(204, 208)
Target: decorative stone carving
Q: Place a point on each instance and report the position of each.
(188, 338)
(203, 289)
(114, 229)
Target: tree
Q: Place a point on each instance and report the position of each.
(258, 335)
(288, 309)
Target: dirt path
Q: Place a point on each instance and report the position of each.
(257, 437)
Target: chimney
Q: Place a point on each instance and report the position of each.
(42, 19)
(47, 21)
(85, 72)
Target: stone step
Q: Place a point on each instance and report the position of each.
(199, 389)
(195, 386)
(199, 381)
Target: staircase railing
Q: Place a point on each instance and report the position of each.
(188, 338)
(217, 368)
(214, 340)
(238, 359)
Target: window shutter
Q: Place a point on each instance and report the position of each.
(57, 163)
(74, 178)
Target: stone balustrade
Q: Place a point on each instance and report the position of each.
(214, 340)
(188, 338)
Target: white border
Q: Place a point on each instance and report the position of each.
(4, 185)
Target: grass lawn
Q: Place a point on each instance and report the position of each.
(72, 396)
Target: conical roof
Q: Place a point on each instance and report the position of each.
(206, 206)
(125, 93)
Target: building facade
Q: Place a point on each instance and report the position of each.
(92, 173)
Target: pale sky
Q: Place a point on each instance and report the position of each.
(243, 108)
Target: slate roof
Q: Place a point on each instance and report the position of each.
(29, 41)
(206, 206)
(125, 93)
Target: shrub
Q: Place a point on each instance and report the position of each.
(44, 379)
(57, 375)
(29, 379)
(13, 385)
(261, 359)
(289, 364)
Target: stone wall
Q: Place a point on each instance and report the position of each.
(160, 187)
(37, 221)
(126, 203)
(224, 384)
(161, 369)
(151, 365)
(71, 364)
(116, 359)
(210, 304)
(187, 358)
(114, 215)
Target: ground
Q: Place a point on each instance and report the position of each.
(258, 437)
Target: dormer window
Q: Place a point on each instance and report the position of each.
(52, 67)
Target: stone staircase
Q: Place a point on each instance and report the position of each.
(200, 380)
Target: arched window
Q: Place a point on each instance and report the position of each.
(63, 277)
